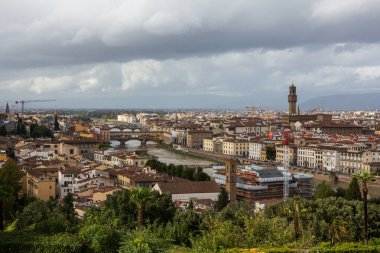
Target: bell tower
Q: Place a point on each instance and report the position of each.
(292, 100)
(231, 178)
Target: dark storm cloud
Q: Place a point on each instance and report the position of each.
(79, 32)
(248, 51)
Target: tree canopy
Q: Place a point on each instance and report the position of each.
(179, 171)
(10, 177)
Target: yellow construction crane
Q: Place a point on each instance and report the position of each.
(22, 102)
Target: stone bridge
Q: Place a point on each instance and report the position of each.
(125, 134)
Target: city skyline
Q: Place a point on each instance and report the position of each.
(143, 54)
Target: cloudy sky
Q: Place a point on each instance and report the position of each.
(181, 54)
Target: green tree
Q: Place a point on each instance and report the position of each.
(337, 230)
(46, 216)
(199, 175)
(223, 200)
(140, 196)
(10, 177)
(56, 123)
(100, 216)
(122, 206)
(323, 191)
(3, 130)
(185, 226)
(353, 191)
(236, 212)
(34, 213)
(340, 192)
(66, 207)
(220, 236)
(271, 153)
(264, 231)
(100, 238)
(364, 177)
(37, 131)
(143, 240)
(190, 206)
(160, 208)
(294, 211)
(58, 243)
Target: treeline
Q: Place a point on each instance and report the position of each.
(323, 225)
(142, 220)
(179, 171)
(35, 130)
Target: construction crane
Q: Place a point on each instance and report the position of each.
(22, 102)
(285, 143)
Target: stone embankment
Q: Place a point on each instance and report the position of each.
(320, 175)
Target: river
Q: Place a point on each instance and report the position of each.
(164, 155)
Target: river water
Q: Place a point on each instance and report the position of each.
(164, 155)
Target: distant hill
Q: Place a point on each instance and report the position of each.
(369, 101)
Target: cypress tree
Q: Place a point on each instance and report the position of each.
(353, 191)
(222, 200)
(56, 124)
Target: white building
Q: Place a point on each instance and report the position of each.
(235, 147)
(255, 149)
(331, 160)
(306, 157)
(127, 118)
(73, 180)
(189, 190)
(213, 144)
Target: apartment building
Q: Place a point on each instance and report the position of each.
(213, 145)
(112, 158)
(71, 180)
(371, 160)
(246, 127)
(195, 138)
(255, 150)
(236, 147)
(333, 128)
(133, 177)
(331, 159)
(292, 154)
(307, 157)
(42, 183)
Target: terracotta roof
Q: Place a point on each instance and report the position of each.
(71, 171)
(39, 172)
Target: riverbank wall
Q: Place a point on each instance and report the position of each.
(192, 153)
